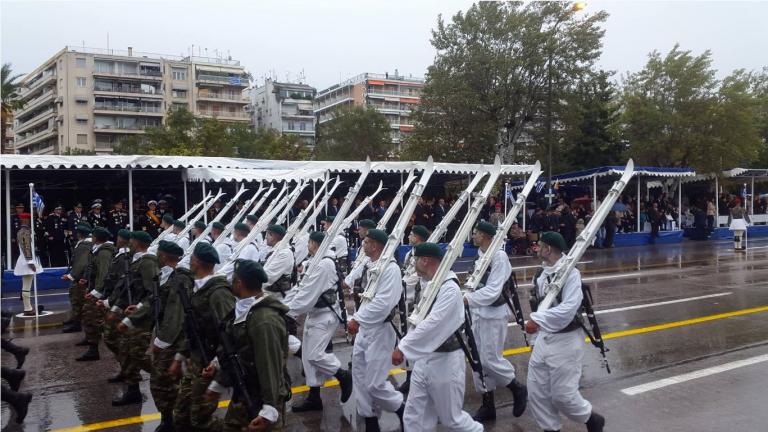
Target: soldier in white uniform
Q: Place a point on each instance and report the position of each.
(554, 369)
(374, 344)
(278, 264)
(437, 384)
(352, 280)
(224, 248)
(239, 233)
(317, 299)
(419, 234)
(178, 227)
(490, 316)
(339, 245)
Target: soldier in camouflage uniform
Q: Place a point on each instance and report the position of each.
(113, 289)
(79, 263)
(211, 301)
(143, 274)
(93, 315)
(256, 329)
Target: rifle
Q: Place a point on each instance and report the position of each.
(231, 364)
(470, 346)
(192, 327)
(512, 299)
(596, 336)
(157, 303)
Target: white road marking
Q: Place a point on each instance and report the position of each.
(668, 302)
(595, 278)
(539, 265)
(655, 385)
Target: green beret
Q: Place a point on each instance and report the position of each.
(179, 224)
(124, 233)
(317, 237)
(219, 226)
(486, 228)
(248, 270)
(168, 218)
(83, 228)
(242, 227)
(205, 252)
(329, 218)
(277, 229)
(366, 223)
(378, 235)
(141, 237)
(101, 234)
(427, 249)
(421, 231)
(252, 218)
(171, 248)
(200, 225)
(554, 239)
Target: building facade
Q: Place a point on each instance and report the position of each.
(285, 107)
(87, 99)
(393, 95)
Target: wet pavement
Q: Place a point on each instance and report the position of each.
(666, 312)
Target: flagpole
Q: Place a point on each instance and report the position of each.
(34, 258)
(506, 197)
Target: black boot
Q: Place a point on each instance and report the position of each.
(311, 403)
(75, 327)
(595, 423)
(68, 322)
(19, 402)
(345, 382)
(131, 395)
(83, 342)
(116, 379)
(372, 424)
(91, 355)
(487, 410)
(166, 422)
(14, 377)
(519, 397)
(406, 386)
(18, 351)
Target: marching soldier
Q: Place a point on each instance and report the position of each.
(249, 252)
(257, 328)
(738, 220)
(280, 270)
(224, 248)
(198, 229)
(96, 217)
(178, 227)
(554, 368)
(317, 299)
(211, 302)
(338, 245)
(15, 226)
(143, 275)
(373, 346)
(77, 267)
(118, 219)
(258, 241)
(437, 384)
(93, 281)
(353, 279)
(55, 232)
(114, 289)
(490, 316)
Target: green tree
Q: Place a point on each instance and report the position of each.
(495, 68)
(676, 113)
(353, 134)
(10, 92)
(760, 91)
(175, 137)
(268, 144)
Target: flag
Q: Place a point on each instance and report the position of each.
(539, 186)
(234, 80)
(37, 203)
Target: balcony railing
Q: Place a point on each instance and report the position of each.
(30, 137)
(44, 78)
(230, 80)
(223, 96)
(393, 93)
(131, 90)
(147, 74)
(34, 120)
(140, 109)
(229, 114)
(32, 104)
(133, 127)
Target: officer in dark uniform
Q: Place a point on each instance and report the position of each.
(118, 219)
(74, 217)
(96, 217)
(15, 226)
(150, 221)
(55, 226)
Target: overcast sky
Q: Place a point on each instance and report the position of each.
(333, 39)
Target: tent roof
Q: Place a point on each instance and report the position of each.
(160, 162)
(234, 174)
(746, 172)
(644, 171)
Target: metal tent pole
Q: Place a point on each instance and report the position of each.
(680, 203)
(130, 197)
(34, 258)
(637, 216)
(717, 202)
(8, 218)
(205, 215)
(184, 180)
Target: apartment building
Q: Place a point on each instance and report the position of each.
(285, 107)
(393, 95)
(88, 99)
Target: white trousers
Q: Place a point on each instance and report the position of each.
(490, 335)
(319, 365)
(437, 395)
(738, 239)
(553, 379)
(26, 289)
(371, 361)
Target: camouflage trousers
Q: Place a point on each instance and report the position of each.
(76, 300)
(133, 345)
(192, 412)
(93, 320)
(164, 386)
(237, 418)
(112, 339)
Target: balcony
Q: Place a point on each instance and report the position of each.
(299, 132)
(35, 121)
(128, 110)
(37, 136)
(122, 129)
(372, 92)
(146, 75)
(332, 103)
(225, 115)
(47, 77)
(238, 81)
(298, 115)
(223, 97)
(115, 91)
(35, 103)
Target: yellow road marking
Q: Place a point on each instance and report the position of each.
(396, 371)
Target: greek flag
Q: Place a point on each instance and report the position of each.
(37, 202)
(234, 80)
(539, 186)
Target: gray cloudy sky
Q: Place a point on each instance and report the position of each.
(334, 39)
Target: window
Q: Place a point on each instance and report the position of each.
(80, 81)
(82, 139)
(303, 126)
(291, 126)
(179, 93)
(80, 62)
(82, 122)
(179, 74)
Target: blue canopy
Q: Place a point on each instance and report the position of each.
(640, 171)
